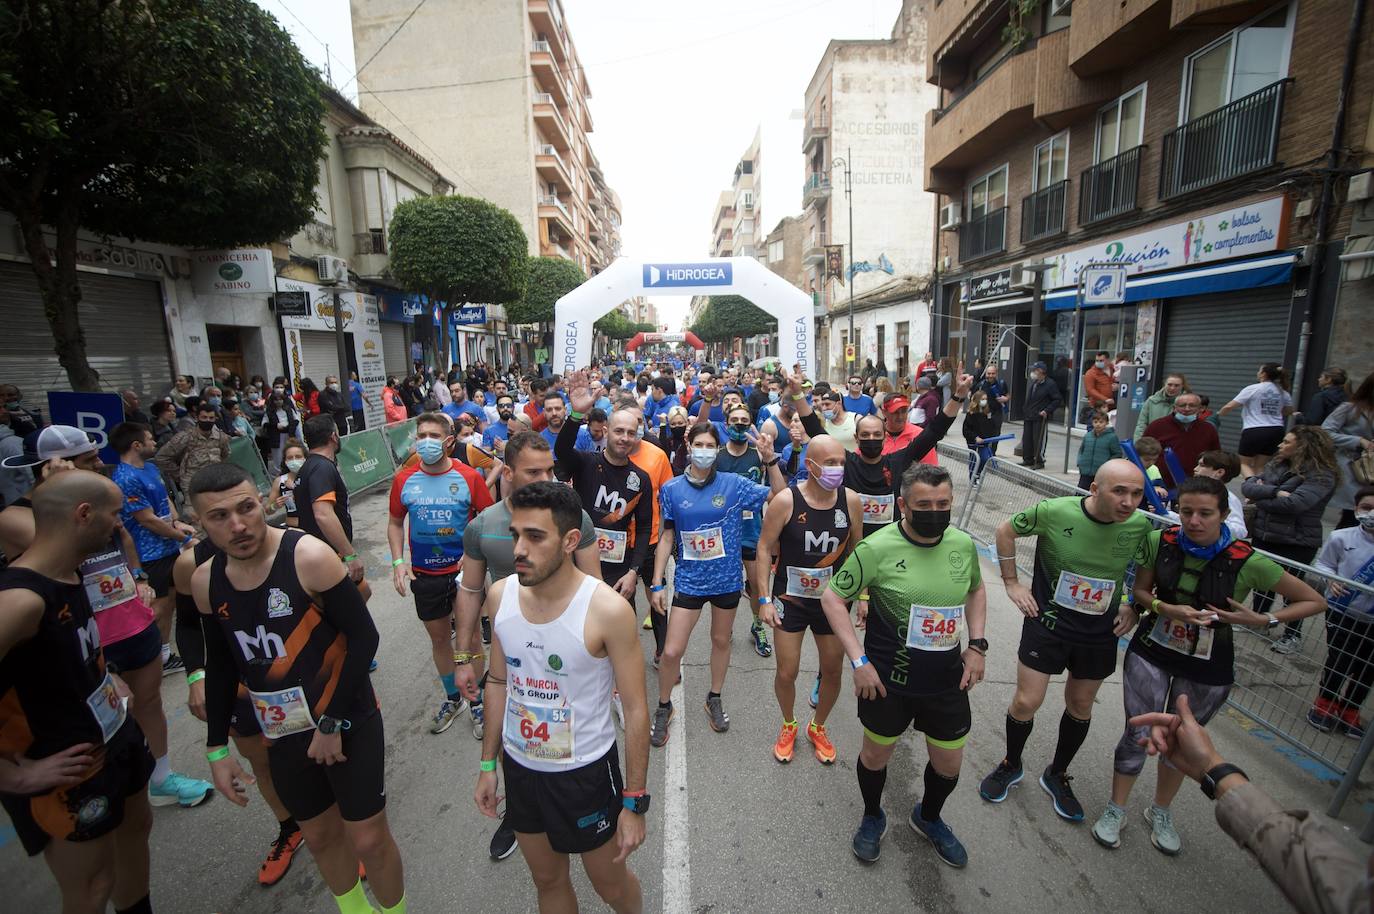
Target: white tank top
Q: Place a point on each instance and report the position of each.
(558, 696)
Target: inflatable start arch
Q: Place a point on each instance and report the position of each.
(640, 339)
(575, 312)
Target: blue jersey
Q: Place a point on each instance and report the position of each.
(143, 488)
(355, 394)
(862, 405)
(454, 410)
(707, 530)
(497, 431)
(439, 506)
(751, 468)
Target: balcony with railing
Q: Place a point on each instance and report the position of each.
(815, 248)
(551, 167)
(550, 121)
(816, 189)
(817, 128)
(1232, 141)
(987, 234)
(550, 207)
(1110, 188)
(1042, 213)
(548, 77)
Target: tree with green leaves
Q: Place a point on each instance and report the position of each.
(615, 326)
(550, 278)
(458, 250)
(186, 122)
(728, 316)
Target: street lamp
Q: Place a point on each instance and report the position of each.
(849, 199)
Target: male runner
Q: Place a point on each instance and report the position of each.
(322, 497)
(742, 458)
(489, 547)
(243, 723)
(655, 462)
(152, 521)
(562, 642)
(73, 764)
(614, 491)
(439, 496)
(285, 618)
(810, 528)
(1073, 616)
(925, 586)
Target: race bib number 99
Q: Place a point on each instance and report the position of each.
(877, 508)
(807, 583)
(1092, 596)
(934, 628)
(704, 544)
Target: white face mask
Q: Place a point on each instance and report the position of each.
(1366, 521)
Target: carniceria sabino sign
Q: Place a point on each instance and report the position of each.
(241, 271)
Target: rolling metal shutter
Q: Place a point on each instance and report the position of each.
(395, 350)
(1218, 341)
(319, 356)
(126, 334)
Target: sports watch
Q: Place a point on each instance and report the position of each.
(979, 643)
(636, 802)
(331, 725)
(1214, 776)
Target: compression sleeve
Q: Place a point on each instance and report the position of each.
(343, 607)
(565, 447)
(190, 641)
(221, 682)
(644, 519)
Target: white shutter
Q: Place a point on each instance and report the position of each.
(395, 352)
(319, 356)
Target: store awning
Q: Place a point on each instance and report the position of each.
(1270, 270)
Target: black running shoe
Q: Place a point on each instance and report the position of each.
(503, 842)
(1058, 787)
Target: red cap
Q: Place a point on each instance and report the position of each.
(895, 402)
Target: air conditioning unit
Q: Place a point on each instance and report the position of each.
(1059, 7)
(950, 215)
(1021, 278)
(331, 270)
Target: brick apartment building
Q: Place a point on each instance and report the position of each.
(1188, 138)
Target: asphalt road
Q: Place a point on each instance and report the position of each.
(731, 830)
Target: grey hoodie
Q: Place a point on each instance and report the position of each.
(15, 483)
(1157, 406)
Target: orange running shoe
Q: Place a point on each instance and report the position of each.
(279, 857)
(782, 749)
(820, 741)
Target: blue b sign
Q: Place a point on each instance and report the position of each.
(94, 414)
(679, 275)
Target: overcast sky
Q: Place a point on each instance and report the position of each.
(678, 90)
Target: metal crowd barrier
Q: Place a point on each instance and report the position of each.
(1273, 690)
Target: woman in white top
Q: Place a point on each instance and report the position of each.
(1265, 406)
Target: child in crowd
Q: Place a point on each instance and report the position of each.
(1099, 445)
(979, 425)
(1150, 450)
(1349, 669)
(284, 488)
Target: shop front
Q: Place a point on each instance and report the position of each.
(311, 350)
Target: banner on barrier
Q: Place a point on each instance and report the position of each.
(364, 459)
(401, 437)
(243, 452)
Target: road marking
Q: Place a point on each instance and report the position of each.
(677, 879)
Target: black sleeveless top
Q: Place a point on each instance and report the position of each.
(816, 538)
(278, 636)
(51, 685)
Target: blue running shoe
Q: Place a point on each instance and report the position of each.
(941, 837)
(179, 790)
(869, 836)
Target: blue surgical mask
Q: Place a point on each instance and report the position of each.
(703, 458)
(214, 401)
(737, 432)
(431, 450)
(829, 415)
(772, 397)
(1185, 418)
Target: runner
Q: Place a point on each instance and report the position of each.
(73, 767)
(1073, 616)
(322, 497)
(572, 640)
(152, 521)
(708, 507)
(926, 586)
(489, 548)
(742, 458)
(614, 491)
(1195, 578)
(439, 496)
(284, 488)
(810, 528)
(243, 724)
(281, 595)
(654, 461)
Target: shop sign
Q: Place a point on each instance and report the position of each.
(990, 285)
(241, 271)
(470, 314)
(1237, 231)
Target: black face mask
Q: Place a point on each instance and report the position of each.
(205, 426)
(870, 447)
(928, 523)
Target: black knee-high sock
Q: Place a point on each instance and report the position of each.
(938, 789)
(1072, 733)
(1018, 732)
(142, 906)
(660, 626)
(871, 785)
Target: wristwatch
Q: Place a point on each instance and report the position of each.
(636, 802)
(980, 644)
(140, 574)
(331, 725)
(1215, 775)
(1273, 621)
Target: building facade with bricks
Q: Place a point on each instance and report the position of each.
(1188, 139)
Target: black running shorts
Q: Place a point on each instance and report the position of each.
(578, 810)
(1045, 652)
(357, 786)
(434, 595)
(719, 601)
(798, 616)
(160, 573)
(944, 717)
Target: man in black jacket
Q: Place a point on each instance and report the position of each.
(1042, 399)
(334, 402)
